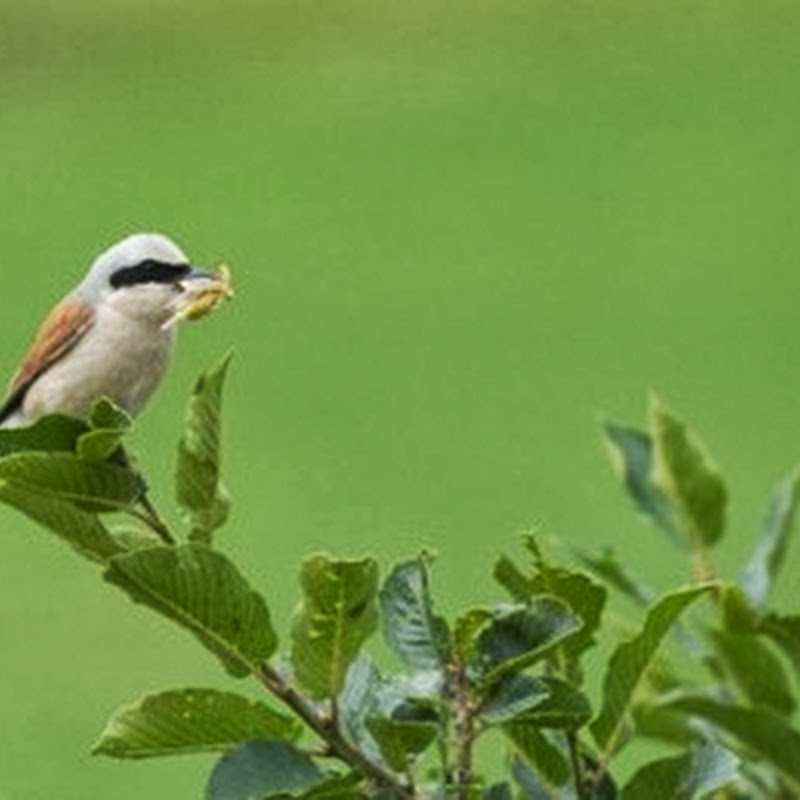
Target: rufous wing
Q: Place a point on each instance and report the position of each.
(61, 330)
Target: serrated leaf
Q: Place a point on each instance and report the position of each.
(190, 721)
(204, 592)
(50, 433)
(761, 730)
(548, 759)
(684, 472)
(337, 613)
(545, 701)
(631, 453)
(755, 669)
(66, 476)
(519, 636)
(197, 478)
(258, 769)
(401, 740)
(82, 530)
(410, 626)
(770, 552)
(694, 775)
(630, 660)
(608, 567)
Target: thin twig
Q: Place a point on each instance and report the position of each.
(150, 516)
(327, 727)
(581, 789)
(464, 728)
(148, 512)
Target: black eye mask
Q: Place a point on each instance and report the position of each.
(149, 271)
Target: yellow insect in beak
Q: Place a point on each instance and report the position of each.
(201, 296)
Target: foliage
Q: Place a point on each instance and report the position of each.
(510, 672)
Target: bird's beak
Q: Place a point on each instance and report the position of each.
(197, 272)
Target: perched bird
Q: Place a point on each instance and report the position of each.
(112, 335)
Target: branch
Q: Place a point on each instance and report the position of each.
(328, 729)
(582, 791)
(146, 512)
(464, 726)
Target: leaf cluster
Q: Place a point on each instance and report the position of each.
(336, 724)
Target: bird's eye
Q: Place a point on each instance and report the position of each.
(149, 271)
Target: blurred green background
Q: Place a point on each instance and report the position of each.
(459, 233)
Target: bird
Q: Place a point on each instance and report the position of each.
(111, 336)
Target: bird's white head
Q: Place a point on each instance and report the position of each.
(138, 275)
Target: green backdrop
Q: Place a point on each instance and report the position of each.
(459, 234)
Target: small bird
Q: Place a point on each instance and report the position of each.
(112, 335)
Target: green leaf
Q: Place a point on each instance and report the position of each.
(99, 445)
(190, 721)
(784, 630)
(410, 627)
(465, 631)
(197, 479)
(133, 537)
(357, 702)
(204, 592)
(257, 769)
(531, 785)
(694, 775)
(512, 579)
(66, 476)
(630, 661)
(50, 433)
(82, 530)
(657, 722)
(401, 740)
(582, 594)
(738, 615)
(109, 423)
(759, 729)
(337, 613)
(498, 791)
(512, 697)
(607, 567)
(330, 787)
(755, 669)
(107, 415)
(565, 707)
(548, 759)
(770, 552)
(631, 453)
(684, 473)
(546, 702)
(519, 636)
